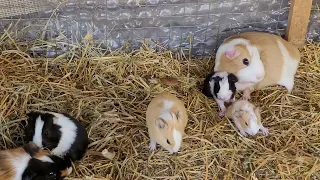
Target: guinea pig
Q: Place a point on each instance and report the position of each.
(29, 162)
(220, 86)
(246, 117)
(166, 118)
(258, 60)
(62, 134)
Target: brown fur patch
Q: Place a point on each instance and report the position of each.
(64, 173)
(7, 170)
(235, 64)
(41, 153)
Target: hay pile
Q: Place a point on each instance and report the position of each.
(109, 95)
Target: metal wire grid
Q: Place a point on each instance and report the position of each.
(177, 24)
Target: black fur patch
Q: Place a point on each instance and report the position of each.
(232, 84)
(39, 170)
(206, 86)
(80, 145)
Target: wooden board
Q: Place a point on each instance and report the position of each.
(299, 16)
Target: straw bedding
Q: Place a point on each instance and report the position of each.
(110, 94)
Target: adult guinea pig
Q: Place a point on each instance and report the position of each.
(166, 118)
(220, 86)
(246, 117)
(29, 162)
(62, 134)
(258, 60)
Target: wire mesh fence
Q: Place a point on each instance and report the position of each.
(195, 26)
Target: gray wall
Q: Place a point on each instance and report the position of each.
(199, 24)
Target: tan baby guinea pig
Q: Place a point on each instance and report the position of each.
(246, 117)
(166, 120)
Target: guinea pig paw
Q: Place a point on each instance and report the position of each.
(152, 146)
(221, 114)
(246, 97)
(265, 131)
(243, 133)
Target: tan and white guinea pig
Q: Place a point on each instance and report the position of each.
(166, 118)
(258, 60)
(246, 117)
(29, 162)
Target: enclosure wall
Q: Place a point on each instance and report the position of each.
(197, 24)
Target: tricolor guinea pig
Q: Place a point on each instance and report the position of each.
(258, 60)
(166, 118)
(246, 117)
(220, 86)
(29, 162)
(62, 134)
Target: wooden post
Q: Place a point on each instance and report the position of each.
(298, 21)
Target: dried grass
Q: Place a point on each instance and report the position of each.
(110, 94)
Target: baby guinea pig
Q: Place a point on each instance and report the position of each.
(246, 117)
(62, 134)
(166, 118)
(29, 162)
(220, 86)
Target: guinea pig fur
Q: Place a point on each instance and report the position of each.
(220, 86)
(166, 118)
(62, 134)
(29, 162)
(258, 60)
(246, 117)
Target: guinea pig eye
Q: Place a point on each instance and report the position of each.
(246, 123)
(46, 133)
(245, 61)
(168, 141)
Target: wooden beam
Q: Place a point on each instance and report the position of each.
(298, 21)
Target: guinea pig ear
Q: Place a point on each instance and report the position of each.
(216, 78)
(179, 116)
(231, 53)
(161, 123)
(237, 114)
(32, 116)
(232, 78)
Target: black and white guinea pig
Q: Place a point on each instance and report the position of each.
(222, 87)
(29, 162)
(62, 134)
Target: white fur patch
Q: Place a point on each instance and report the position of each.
(289, 68)
(177, 136)
(224, 93)
(166, 115)
(69, 170)
(167, 105)
(68, 134)
(37, 137)
(165, 112)
(20, 164)
(250, 73)
(45, 159)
